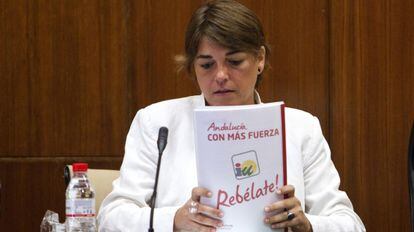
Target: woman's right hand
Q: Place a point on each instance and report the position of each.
(192, 216)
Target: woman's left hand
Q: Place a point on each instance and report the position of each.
(297, 220)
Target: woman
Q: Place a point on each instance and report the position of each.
(226, 53)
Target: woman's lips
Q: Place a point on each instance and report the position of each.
(223, 91)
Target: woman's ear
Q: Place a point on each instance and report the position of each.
(261, 58)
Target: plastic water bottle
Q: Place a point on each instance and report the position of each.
(80, 201)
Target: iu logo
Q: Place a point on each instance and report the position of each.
(245, 164)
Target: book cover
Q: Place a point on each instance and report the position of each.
(241, 159)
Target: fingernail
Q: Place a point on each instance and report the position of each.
(220, 224)
(267, 209)
(209, 194)
(278, 191)
(221, 214)
(267, 220)
(274, 226)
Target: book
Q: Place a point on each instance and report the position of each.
(241, 159)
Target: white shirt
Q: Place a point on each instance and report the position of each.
(309, 169)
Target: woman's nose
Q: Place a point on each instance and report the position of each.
(222, 74)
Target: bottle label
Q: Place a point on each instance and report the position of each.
(80, 207)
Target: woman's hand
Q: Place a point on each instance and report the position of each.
(297, 220)
(192, 216)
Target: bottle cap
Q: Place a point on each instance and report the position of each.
(80, 167)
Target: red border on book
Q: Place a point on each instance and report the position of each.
(282, 112)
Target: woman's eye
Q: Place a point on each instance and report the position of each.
(235, 62)
(206, 65)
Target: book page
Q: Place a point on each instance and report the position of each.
(241, 160)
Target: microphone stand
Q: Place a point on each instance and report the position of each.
(154, 194)
(161, 144)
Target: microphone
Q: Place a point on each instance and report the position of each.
(162, 139)
(161, 143)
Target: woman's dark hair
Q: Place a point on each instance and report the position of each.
(227, 23)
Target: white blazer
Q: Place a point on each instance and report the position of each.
(309, 165)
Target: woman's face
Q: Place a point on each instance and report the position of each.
(227, 77)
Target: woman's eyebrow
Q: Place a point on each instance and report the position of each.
(204, 57)
(232, 52)
(210, 57)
